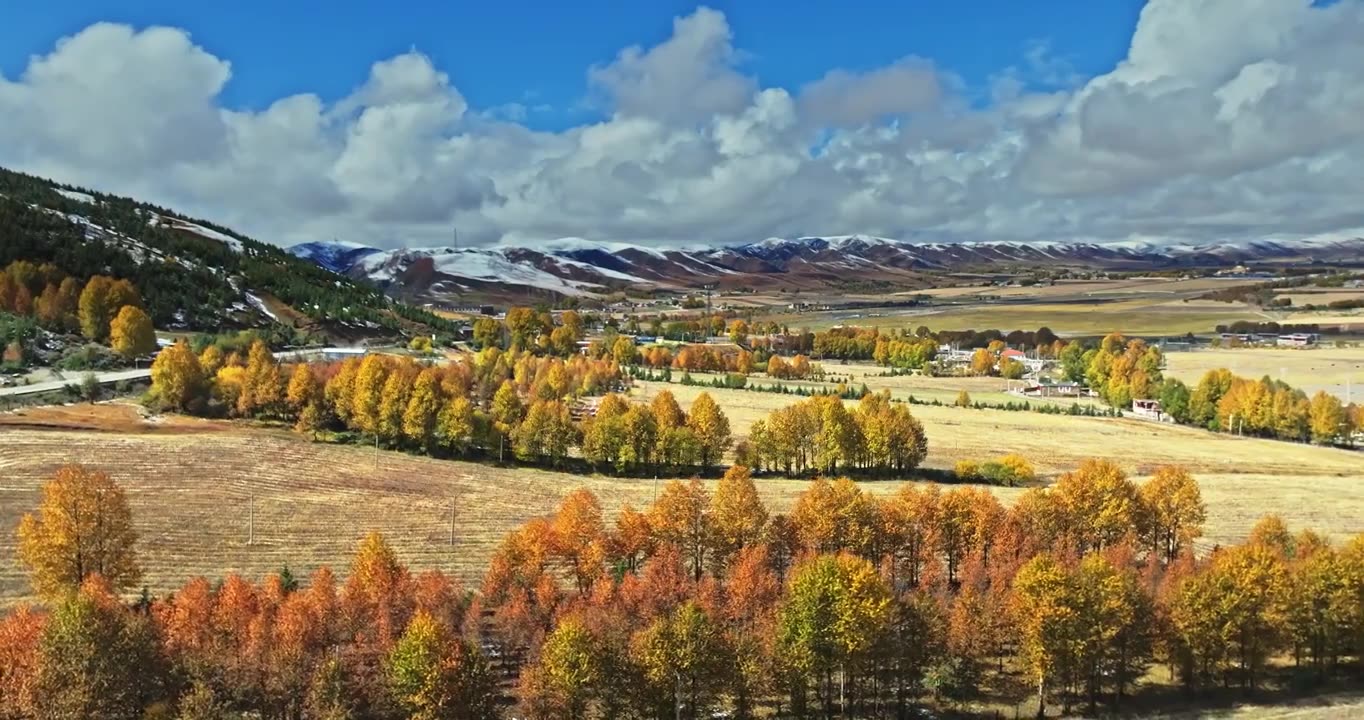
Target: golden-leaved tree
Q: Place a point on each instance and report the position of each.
(177, 377)
(130, 332)
(711, 427)
(82, 527)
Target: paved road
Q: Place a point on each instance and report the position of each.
(75, 378)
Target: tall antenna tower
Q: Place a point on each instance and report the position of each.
(454, 238)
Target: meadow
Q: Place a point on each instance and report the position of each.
(214, 497)
(1337, 370)
(1150, 315)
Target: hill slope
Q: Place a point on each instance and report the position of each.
(192, 274)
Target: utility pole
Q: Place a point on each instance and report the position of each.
(376, 452)
(251, 519)
(452, 523)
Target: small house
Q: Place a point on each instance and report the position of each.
(1149, 409)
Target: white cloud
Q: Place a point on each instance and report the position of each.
(845, 99)
(1226, 119)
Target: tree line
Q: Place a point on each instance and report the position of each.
(1223, 401)
(851, 605)
(499, 405)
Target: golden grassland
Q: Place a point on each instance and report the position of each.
(1320, 296)
(1336, 370)
(199, 487)
(1135, 316)
(1242, 478)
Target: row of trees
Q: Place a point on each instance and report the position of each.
(822, 434)
(1265, 407)
(907, 349)
(853, 605)
(498, 405)
(103, 309)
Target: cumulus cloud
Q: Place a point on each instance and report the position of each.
(845, 99)
(1227, 119)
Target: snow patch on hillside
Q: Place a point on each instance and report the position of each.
(77, 196)
(259, 304)
(197, 229)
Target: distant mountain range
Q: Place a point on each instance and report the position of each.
(574, 266)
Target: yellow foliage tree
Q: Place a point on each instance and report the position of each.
(82, 527)
(738, 517)
(711, 427)
(177, 378)
(130, 332)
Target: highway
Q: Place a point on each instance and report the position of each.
(75, 378)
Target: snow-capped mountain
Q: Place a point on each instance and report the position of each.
(575, 266)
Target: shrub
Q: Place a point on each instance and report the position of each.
(89, 357)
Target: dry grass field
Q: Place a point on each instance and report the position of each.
(1149, 315)
(1320, 296)
(1339, 371)
(1242, 478)
(192, 483)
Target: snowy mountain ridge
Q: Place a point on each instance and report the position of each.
(578, 266)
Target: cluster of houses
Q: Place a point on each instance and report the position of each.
(949, 355)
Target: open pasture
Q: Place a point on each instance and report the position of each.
(201, 492)
(1339, 371)
(1150, 315)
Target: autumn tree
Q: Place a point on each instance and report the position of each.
(455, 425)
(579, 536)
(96, 309)
(130, 332)
(421, 416)
(177, 378)
(682, 518)
(838, 516)
(836, 608)
(20, 633)
(97, 659)
(547, 433)
(684, 654)
(1230, 618)
(711, 428)
(1100, 503)
(1174, 512)
(1046, 618)
(738, 516)
(436, 676)
(368, 394)
(82, 527)
(262, 386)
(1327, 418)
(570, 667)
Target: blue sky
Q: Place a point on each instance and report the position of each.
(536, 53)
(672, 123)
